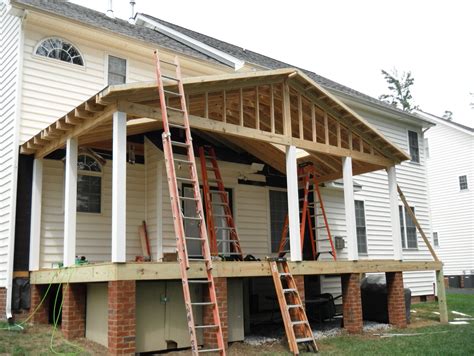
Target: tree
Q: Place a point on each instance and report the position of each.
(399, 86)
(448, 115)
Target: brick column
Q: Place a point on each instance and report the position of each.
(121, 330)
(207, 317)
(396, 299)
(351, 302)
(37, 292)
(73, 323)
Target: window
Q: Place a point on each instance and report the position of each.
(413, 146)
(360, 226)
(89, 184)
(59, 49)
(278, 212)
(435, 239)
(117, 70)
(407, 228)
(463, 182)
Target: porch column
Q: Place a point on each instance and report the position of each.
(70, 201)
(394, 214)
(119, 190)
(352, 252)
(35, 221)
(293, 204)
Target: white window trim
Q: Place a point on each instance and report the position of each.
(405, 237)
(106, 67)
(419, 147)
(57, 61)
(366, 229)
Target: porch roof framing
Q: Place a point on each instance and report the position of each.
(260, 111)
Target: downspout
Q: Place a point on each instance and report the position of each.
(16, 148)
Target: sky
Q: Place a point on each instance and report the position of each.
(347, 41)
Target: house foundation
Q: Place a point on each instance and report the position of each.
(39, 310)
(74, 311)
(207, 318)
(396, 299)
(351, 302)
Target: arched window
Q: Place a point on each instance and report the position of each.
(89, 184)
(60, 49)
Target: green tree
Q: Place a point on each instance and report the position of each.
(399, 87)
(448, 115)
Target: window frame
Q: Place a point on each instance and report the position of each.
(269, 215)
(58, 61)
(92, 174)
(366, 253)
(106, 66)
(417, 146)
(461, 189)
(404, 227)
(435, 239)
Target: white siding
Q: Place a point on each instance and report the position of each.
(51, 88)
(93, 230)
(452, 210)
(10, 42)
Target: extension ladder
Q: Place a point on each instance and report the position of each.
(310, 211)
(182, 123)
(218, 199)
(297, 327)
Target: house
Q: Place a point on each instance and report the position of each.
(81, 135)
(450, 164)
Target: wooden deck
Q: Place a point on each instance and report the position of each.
(103, 272)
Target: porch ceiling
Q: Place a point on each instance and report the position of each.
(262, 112)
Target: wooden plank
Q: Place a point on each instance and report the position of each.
(443, 307)
(417, 224)
(326, 129)
(272, 110)
(102, 272)
(313, 123)
(119, 187)
(300, 116)
(257, 109)
(35, 219)
(286, 110)
(70, 202)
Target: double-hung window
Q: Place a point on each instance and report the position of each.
(413, 146)
(361, 227)
(89, 184)
(117, 70)
(407, 228)
(463, 182)
(278, 212)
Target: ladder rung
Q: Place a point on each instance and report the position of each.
(180, 144)
(184, 179)
(323, 239)
(170, 77)
(174, 109)
(200, 281)
(289, 290)
(218, 203)
(167, 62)
(177, 126)
(188, 198)
(206, 326)
(299, 322)
(305, 339)
(191, 218)
(202, 303)
(209, 350)
(196, 259)
(194, 238)
(228, 241)
(293, 306)
(169, 92)
(182, 161)
(284, 274)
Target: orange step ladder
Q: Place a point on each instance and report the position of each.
(174, 92)
(310, 212)
(215, 199)
(297, 327)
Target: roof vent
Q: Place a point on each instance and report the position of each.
(110, 11)
(131, 19)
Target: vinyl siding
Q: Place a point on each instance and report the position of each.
(10, 41)
(452, 155)
(93, 230)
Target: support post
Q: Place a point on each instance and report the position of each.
(394, 214)
(443, 307)
(35, 221)
(352, 253)
(70, 202)
(293, 204)
(119, 190)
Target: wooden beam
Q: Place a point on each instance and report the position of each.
(81, 128)
(119, 187)
(313, 123)
(257, 109)
(92, 106)
(70, 203)
(443, 307)
(417, 224)
(300, 117)
(103, 272)
(272, 110)
(349, 208)
(286, 110)
(83, 114)
(35, 219)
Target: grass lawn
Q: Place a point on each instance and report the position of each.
(436, 339)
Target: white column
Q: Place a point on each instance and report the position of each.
(394, 213)
(293, 203)
(35, 220)
(119, 190)
(70, 202)
(349, 207)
